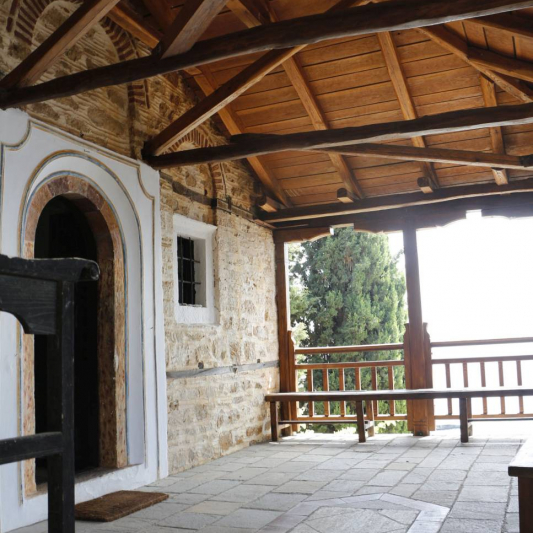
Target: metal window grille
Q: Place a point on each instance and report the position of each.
(187, 271)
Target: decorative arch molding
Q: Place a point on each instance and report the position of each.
(23, 17)
(111, 347)
(200, 140)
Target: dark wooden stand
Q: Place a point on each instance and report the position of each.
(522, 468)
(40, 293)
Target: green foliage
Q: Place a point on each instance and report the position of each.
(347, 289)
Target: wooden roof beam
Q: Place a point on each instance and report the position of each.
(397, 76)
(299, 215)
(455, 45)
(191, 22)
(389, 16)
(161, 12)
(508, 66)
(258, 144)
(125, 17)
(47, 53)
(435, 155)
(234, 125)
(496, 134)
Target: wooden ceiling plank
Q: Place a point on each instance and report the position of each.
(233, 123)
(390, 16)
(125, 17)
(435, 155)
(191, 22)
(496, 134)
(397, 76)
(46, 54)
(460, 48)
(258, 144)
(515, 26)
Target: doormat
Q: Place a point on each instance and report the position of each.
(117, 505)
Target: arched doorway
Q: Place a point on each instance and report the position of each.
(67, 217)
(63, 231)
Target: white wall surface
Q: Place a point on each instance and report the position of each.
(31, 153)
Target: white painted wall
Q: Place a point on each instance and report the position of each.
(30, 154)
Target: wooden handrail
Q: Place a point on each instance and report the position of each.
(358, 364)
(482, 342)
(488, 359)
(349, 349)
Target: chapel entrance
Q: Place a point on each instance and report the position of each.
(63, 231)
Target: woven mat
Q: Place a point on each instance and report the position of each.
(117, 505)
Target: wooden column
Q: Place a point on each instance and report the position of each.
(283, 306)
(417, 364)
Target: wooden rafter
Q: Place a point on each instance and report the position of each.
(496, 134)
(191, 22)
(390, 16)
(435, 155)
(407, 105)
(460, 48)
(252, 14)
(508, 66)
(46, 54)
(231, 120)
(258, 144)
(161, 11)
(130, 21)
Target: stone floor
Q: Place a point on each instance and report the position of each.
(330, 483)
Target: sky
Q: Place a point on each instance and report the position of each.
(477, 283)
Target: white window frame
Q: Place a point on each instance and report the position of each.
(204, 237)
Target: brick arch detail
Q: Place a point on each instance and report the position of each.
(23, 17)
(111, 346)
(199, 139)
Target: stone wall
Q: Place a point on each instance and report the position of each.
(211, 416)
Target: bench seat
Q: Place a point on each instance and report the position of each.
(367, 396)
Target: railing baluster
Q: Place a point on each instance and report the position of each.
(465, 383)
(502, 382)
(483, 384)
(519, 383)
(310, 388)
(449, 386)
(341, 387)
(325, 387)
(392, 405)
(375, 387)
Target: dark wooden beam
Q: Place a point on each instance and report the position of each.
(346, 197)
(46, 54)
(454, 44)
(301, 235)
(390, 16)
(435, 155)
(248, 145)
(125, 17)
(193, 19)
(508, 66)
(303, 215)
(269, 205)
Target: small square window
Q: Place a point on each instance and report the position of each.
(188, 272)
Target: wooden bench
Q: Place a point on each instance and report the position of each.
(388, 395)
(522, 468)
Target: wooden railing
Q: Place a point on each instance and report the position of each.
(305, 380)
(471, 365)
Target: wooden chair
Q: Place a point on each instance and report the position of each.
(40, 294)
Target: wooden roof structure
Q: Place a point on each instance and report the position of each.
(338, 105)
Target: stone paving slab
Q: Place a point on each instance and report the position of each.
(317, 483)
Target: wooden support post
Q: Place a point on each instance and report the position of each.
(463, 416)
(417, 364)
(360, 421)
(282, 302)
(274, 421)
(60, 414)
